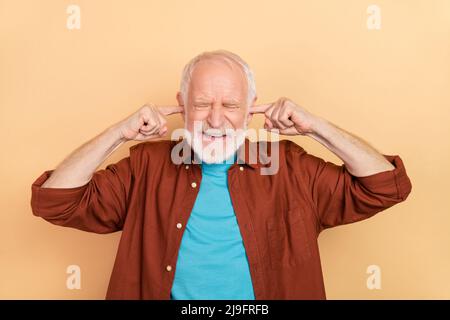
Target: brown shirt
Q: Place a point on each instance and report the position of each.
(150, 198)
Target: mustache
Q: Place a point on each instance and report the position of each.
(205, 128)
(217, 131)
(194, 129)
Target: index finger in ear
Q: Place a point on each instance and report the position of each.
(260, 108)
(167, 110)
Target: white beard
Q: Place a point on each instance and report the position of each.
(219, 150)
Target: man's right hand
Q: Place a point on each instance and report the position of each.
(147, 123)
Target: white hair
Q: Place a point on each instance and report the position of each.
(226, 56)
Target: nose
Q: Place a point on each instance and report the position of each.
(215, 117)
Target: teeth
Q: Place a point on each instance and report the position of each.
(214, 133)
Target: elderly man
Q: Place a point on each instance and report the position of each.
(209, 224)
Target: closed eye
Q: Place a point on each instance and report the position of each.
(201, 106)
(231, 106)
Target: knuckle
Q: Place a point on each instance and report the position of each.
(146, 108)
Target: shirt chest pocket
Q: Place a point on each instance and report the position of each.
(288, 241)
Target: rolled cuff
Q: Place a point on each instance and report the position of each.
(45, 202)
(392, 182)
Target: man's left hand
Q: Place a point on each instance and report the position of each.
(286, 116)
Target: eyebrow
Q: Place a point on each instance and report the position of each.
(231, 101)
(202, 100)
(225, 101)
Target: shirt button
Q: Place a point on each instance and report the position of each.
(187, 167)
(169, 268)
(179, 225)
(193, 185)
(241, 168)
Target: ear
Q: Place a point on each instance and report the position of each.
(250, 115)
(180, 100)
(181, 104)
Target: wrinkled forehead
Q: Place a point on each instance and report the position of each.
(216, 78)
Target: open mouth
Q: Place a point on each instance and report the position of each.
(213, 137)
(212, 134)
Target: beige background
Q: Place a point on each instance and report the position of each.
(59, 88)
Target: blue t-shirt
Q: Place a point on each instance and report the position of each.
(212, 263)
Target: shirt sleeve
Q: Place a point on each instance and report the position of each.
(99, 206)
(341, 198)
